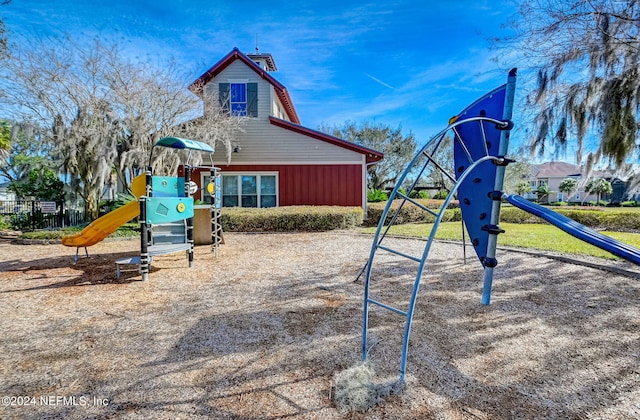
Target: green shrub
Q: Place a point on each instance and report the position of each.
(376, 196)
(515, 215)
(441, 195)
(630, 203)
(401, 190)
(5, 222)
(597, 219)
(411, 213)
(290, 219)
(558, 203)
(21, 221)
(127, 230)
(419, 194)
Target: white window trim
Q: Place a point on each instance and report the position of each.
(239, 174)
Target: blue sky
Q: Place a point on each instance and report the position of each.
(401, 62)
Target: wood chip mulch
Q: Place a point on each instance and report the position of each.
(259, 332)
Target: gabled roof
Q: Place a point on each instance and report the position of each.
(555, 169)
(372, 156)
(563, 169)
(235, 54)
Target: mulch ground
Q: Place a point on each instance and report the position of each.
(259, 332)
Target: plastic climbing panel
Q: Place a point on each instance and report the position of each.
(475, 140)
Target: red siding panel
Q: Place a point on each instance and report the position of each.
(329, 185)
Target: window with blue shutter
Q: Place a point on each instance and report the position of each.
(239, 99)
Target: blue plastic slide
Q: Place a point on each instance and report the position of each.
(581, 232)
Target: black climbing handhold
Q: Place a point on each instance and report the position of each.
(502, 161)
(490, 262)
(495, 195)
(492, 229)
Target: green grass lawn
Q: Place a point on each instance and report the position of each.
(533, 236)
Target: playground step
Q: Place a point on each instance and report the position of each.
(389, 307)
(135, 260)
(167, 248)
(400, 253)
(169, 228)
(169, 233)
(169, 239)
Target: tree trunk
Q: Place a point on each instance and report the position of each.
(91, 208)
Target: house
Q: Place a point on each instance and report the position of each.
(553, 173)
(276, 161)
(5, 193)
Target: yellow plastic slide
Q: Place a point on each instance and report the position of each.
(110, 222)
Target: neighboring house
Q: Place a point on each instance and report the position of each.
(5, 193)
(276, 161)
(553, 173)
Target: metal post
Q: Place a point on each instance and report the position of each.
(144, 229)
(187, 179)
(216, 229)
(499, 183)
(33, 214)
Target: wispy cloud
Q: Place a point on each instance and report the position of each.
(375, 79)
(425, 60)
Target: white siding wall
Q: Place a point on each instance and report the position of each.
(263, 143)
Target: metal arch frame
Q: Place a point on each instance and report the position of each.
(378, 237)
(422, 152)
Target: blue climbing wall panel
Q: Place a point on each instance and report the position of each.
(168, 209)
(479, 139)
(167, 186)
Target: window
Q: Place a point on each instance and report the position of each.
(560, 197)
(240, 99)
(249, 190)
(542, 182)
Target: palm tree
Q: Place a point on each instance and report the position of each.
(543, 191)
(598, 186)
(568, 185)
(523, 187)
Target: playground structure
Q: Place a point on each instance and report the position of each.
(480, 135)
(166, 208)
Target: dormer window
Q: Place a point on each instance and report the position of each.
(239, 99)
